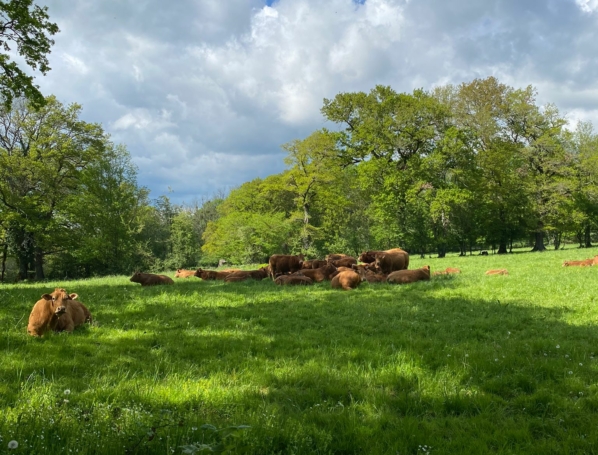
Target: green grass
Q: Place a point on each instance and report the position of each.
(466, 364)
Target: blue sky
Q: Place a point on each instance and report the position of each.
(204, 92)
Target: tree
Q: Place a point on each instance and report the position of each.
(27, 27)
(42, 156)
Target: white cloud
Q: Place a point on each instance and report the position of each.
(587, 6)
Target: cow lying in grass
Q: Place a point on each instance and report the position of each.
(369, 275)
(409, 276)
(182, 273)
(149, 279)
(313, 264)
(243, 275)
(346, 280)
(284, 280)
(57, 311)
(584, 263)
(211, 274)
(447, 271)
(497, 272)
(320, 274)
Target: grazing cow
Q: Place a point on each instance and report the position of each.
(76, 314)
(409, 276)
(320, 274)
(390, 262)
(149, 279)
(284, 263)
(45, 314)
(313, 264)
(497, 272)
(447, 271)
(242, 275)
(211, 274)
(584, 263)
(346, 280)
(182, 273)
(344, 262)
(284, 280)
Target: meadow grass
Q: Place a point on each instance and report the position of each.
(461, 364)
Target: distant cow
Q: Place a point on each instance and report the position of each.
(447, 271)
(346, 280)
(320, 274)
(284, 263)
(76, 314)
(483, 253)
(45, 314)
(313, 264)
(583, 263)
(497, 272)
(343, 262)
(369, 275)
(149, 279)
(369, 257)
(182, 273)
(336, 257)
(242, 275)
(409, 276)
(390, 262)
(211, 274)
(284, 280)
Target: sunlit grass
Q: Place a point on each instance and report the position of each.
(461, 364)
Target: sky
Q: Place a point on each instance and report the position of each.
(204, 92)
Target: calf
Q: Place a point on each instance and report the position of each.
(284, 280)
(447, 271)
(76, 314)
(45, 314)
(149, 279)
(409, 276)
(346, 280)
(320, 274)
(211, 274)
(584, 263)
(182, 273)
(497, 272)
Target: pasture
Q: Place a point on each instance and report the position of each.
(457, 365)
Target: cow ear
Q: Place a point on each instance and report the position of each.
(47, 297)
(74, 296)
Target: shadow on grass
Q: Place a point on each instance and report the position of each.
(393, 360)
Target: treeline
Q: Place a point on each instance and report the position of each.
(456, 168)
(70, 204)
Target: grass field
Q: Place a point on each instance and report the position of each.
(458, 365)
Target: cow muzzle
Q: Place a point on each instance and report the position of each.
(60, 310)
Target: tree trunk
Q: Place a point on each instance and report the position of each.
(502, 247)
(39, 263)
(305, 230)
(557, 240)
(586, 237)
(4, 255)
(539, 243)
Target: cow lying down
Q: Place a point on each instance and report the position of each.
(149, 279)
(58, 311)
(409, 276)
(182, 273)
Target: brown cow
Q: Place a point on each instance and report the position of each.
(409, 276)
(211, 274)
(149, 279)
(344, 262)
(336, 257)
(284, 263)
(369, 257)
(447, 271)
(182, 273)
(320, 274)
(76, 314)
(284, 280)
(390, 262)
(313, 264)
(242, 275)
(584, 263)
(229, 270)
(369, 275)
(497, 272)
(45, 314)
(346, 280)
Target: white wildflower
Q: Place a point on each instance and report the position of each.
(13, 444)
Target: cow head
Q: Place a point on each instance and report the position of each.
(57, 301)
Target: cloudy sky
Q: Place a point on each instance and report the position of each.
(204, 92)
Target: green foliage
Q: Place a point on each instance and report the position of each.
(26, 26)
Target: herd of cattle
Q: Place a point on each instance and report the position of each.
(61, 311)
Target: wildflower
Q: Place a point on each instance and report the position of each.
(193, 428)
(580, 364)
(545, 354)
(13, 444)
(67, 392)
(508, 333)
(466, 355)
(566, 356)
(570, 372)
(558, 346)
(65, 400)
(496, 360)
